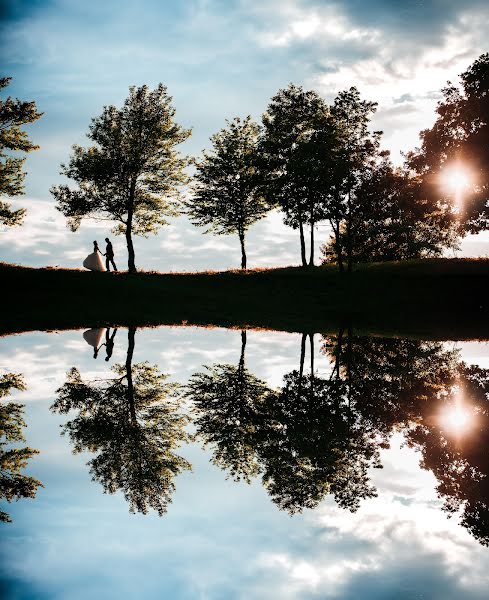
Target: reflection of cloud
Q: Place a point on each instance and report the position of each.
(219, 539)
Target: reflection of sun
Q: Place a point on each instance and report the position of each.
(457, 418)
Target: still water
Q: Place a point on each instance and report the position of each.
(218, 464)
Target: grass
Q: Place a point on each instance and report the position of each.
(433, 299)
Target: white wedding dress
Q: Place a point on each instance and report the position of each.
(94, 337)
(94, 262)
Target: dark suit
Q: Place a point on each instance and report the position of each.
(109, 257)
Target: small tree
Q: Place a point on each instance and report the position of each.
(13, 114)
(227, 196)
(133, 172)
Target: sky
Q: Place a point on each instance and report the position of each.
(220, 540)
(219, 59)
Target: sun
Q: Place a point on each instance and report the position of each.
(456, 179)
(457, 419)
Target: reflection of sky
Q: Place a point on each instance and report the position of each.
(219, 59)
(219, 539)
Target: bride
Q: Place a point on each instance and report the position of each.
(93, 261)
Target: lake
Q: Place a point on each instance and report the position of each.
(185, 462)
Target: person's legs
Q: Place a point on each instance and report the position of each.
(113, 264)
(107, 263)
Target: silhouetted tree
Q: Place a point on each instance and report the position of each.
(359, 151)
(227, 197)
(13, 114)
(298, 136)
(392, 219)
(132, 173)
(13, 484)
(133, 425)
(460, 137)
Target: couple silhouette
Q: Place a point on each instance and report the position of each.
(94, 262)
(94, 337)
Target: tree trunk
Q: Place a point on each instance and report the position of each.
(349, 233)
(311, 255)
(243, 349)
(303, 243)
(130, 213)
(243, 250)
(130, 386)
(311, 348)
(338, 246)
(303, 356)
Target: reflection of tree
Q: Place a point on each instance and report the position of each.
(461, 464)
(228, 401)
(13, 485)
(321, 435)
(133, 425)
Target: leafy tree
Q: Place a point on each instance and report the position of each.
(132, 424)
(13, 485)
(292, 151)
(460, 138)
(13, 114)
(227, 196)
(358, 152)
(392, 219)
(133, 172)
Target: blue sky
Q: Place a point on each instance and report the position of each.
(219, 59)
(219, 539)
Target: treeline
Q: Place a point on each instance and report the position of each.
(314, 161)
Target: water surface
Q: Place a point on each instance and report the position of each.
(211, 463)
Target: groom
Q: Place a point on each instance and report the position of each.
(109, 255)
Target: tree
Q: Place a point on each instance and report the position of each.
(227, 196)
(289, 149)
(392, 219)
(133, 172)
(359, 151)
(13, 114)
(132, 423)
(459, 139)
(13, 484)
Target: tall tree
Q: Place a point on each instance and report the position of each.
(289, 149)
(359, 150)
(227, 197)
(133, 425)
(13, 114)
(13, 484)
(133, 172)
(459, 140)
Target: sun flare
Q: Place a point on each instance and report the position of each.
(456, 179)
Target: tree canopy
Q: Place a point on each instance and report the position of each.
(458, 141)
(14, 113)
(133, 172)
(227, 194)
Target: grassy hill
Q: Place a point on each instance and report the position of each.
(439, 298)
